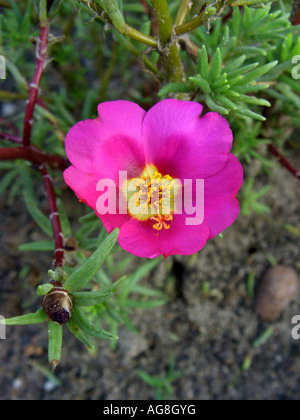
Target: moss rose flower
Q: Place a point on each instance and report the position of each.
(169, 146)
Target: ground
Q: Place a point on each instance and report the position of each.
(209, 335)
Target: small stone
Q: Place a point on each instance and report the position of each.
(277, 289)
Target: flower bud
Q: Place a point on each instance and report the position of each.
(58, 305)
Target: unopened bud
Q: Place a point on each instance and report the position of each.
(58, 305)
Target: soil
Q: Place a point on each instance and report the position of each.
(210, 334)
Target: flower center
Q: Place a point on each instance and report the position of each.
(152, 197)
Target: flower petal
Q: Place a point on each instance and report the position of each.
(142, 240)
(221, 208)
(183, 144)
(110, 143)
(85, 187)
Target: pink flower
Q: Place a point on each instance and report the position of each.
(172, 141)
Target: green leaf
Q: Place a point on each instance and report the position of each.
(38, 246)
(146, 304)
(255, 74)
(43, 289)
(89, 218)
(221, 89)
(236, 63)
(253, 100)
(242, 70)
(250, 114)
(221, 81)
(198, 81)
(203, 66)
(266, 335)
(7, 180)
(140, 272)
(174, 88)
(226, 102)
(27, 319)
(82, 322)
(256, 87)
(31, 204)
(55, 343)
(54, 8)
(42, 221)
(216, 66)
(87, 271)
(214, 107)
(94, 298)
(64, 220)
(147, 291)
(80, 335)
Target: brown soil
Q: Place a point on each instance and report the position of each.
(208, 336)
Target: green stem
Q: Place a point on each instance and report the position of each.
(191, 25)
(170, 51)
(200, 20)
(43, 13)
(118, 21)
(184, 8)
(164, 19)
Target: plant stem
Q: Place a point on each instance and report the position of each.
(164, 19)
(170, 51)
(200, 20)
(34, 87)
(284, 161)
(54, 217)
(139, 36)
(30, 154)
(145, 5)
(118, 21)
(10, 137)
(184, 8)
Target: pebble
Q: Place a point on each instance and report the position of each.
(278, 287)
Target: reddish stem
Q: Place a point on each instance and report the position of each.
(295, 14)
(145, 5)
(33, 155)
(54, 217)
(10, 137)
(284, 161)
(35, 85)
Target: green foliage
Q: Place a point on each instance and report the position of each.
(250, 199)
(86, 272)
(162, 383)
(237, 61)
(100, 305)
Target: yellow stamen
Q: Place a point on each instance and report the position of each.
(154, 198)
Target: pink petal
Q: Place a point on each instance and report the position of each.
(181, 143)
(110, 143)
(142, 240)
(221, 208)
(85, 187)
